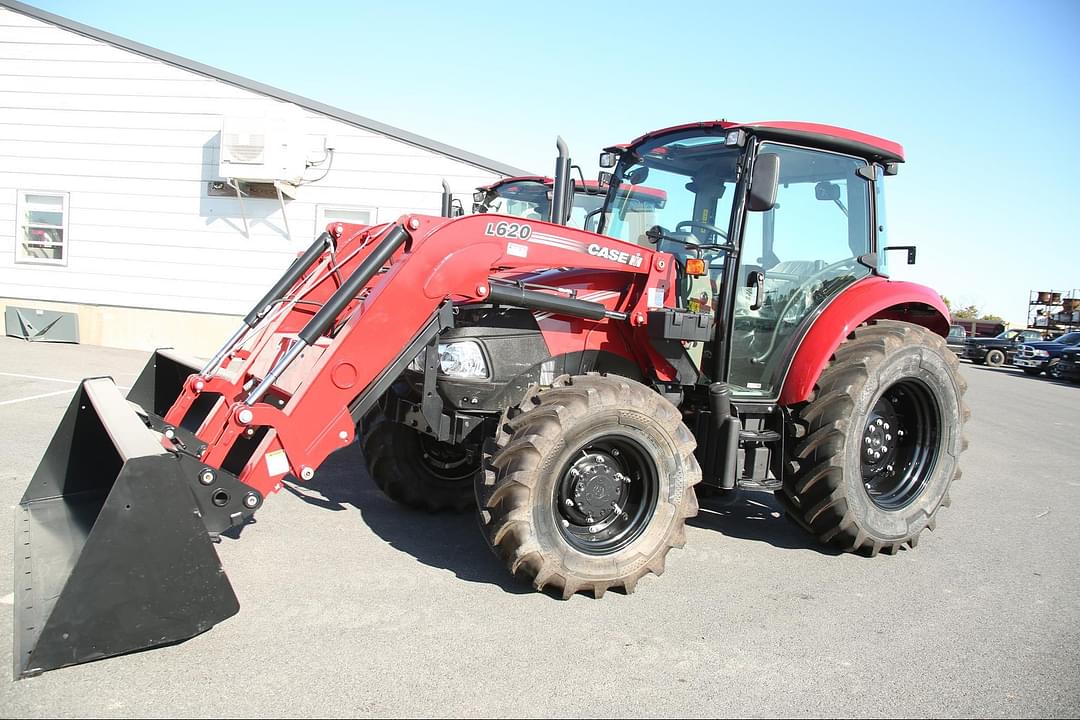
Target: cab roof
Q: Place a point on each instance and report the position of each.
(828, 137)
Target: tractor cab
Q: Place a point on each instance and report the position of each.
(767, 223)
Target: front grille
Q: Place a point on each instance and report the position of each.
(1026, 352)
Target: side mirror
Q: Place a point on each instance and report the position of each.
(764, 182)
(638, 176)
(827, 191)
(910, 252)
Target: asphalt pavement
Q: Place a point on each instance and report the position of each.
(351, 605)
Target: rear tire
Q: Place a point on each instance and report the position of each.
(1054, 370)
(876, 447)
(995, 358)
(591, 452)
(416, 470)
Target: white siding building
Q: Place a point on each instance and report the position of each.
(111, 200)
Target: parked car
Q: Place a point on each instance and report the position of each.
(1037, 357)
(956, 338)
(998, 350)
(1068, 368)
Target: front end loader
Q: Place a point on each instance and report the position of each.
(576, 388)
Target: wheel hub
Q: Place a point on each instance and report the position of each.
(605, 494)
(598, 487)
(881, 438)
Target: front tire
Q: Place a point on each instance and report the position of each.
(588, 484)
(418, 471)
(877, 445)
(995, 358)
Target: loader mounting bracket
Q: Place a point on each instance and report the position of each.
(441, 319)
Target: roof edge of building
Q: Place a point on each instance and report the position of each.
(263, 89)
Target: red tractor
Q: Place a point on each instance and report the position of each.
(577, 387)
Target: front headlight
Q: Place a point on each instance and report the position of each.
(461, 359)
(1041, 353)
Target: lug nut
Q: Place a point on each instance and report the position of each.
(600, 459)
(869, 451)
(873, 428)
(251, 500)
(615, 452)
(877, 456)
(206, 477)
(568, 502)
(888, 438)
(886, 426)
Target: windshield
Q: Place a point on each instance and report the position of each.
(531, 199)
(524, 199)
(1069, 338)
(693, 170)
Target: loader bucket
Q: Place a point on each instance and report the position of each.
(160, 382)
(111, 554)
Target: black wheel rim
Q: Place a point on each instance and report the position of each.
(606, 494)
(900, 443)
(448, 463)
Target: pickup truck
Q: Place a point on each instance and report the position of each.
(957, 337)
(1037, 357)
(997, 351)
(1069, 366)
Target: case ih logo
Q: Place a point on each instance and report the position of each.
(618, 256)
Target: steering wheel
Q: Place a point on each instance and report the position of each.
(704, 226)
(798, 296)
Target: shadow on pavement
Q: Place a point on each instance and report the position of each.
(449, 541)
(755, 515)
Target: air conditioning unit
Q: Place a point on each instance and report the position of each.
(261, 149)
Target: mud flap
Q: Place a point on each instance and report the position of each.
(112, 553)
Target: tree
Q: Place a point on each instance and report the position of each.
(971, 312)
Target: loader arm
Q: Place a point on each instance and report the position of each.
(305, 413)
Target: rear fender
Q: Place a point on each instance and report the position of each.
(873, 298)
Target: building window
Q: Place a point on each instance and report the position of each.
(326, 214)
(41, 231)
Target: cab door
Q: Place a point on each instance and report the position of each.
(793, 260)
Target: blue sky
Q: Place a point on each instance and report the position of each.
(984, 96)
